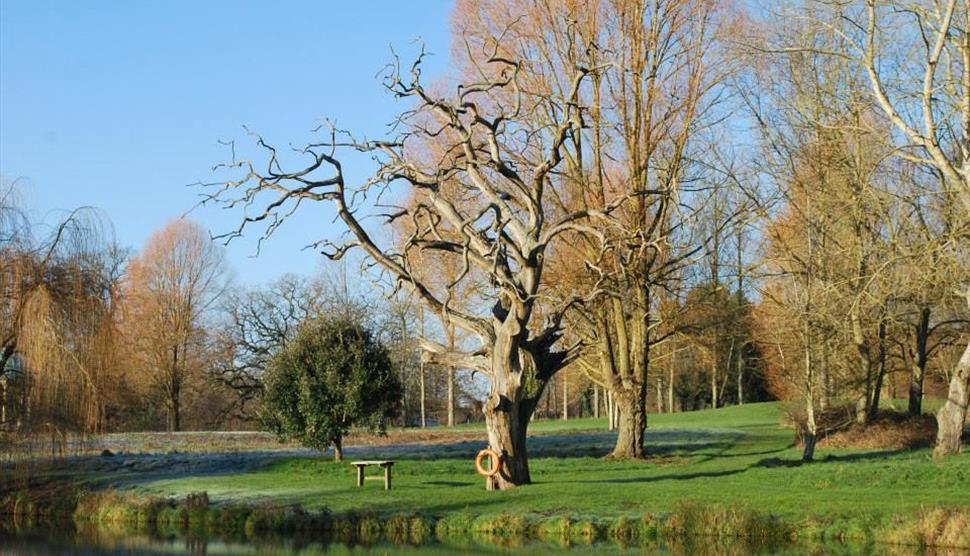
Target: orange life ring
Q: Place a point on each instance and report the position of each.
(491, 454)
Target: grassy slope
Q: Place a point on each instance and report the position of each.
(736, 454)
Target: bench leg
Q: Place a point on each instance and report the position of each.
(360, 476)
(387, 477)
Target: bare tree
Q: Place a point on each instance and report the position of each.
(259, 322)
(916, 57)
(502, 164)
(171, 284)
(628, 166)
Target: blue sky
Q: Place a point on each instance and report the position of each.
(120, 105)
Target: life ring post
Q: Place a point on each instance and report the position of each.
(495, 464)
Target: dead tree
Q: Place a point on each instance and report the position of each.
(500, 166)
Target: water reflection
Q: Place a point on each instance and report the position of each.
(68, 540)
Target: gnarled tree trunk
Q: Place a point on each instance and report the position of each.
(515, 388)
(953, 414)
(507, 420)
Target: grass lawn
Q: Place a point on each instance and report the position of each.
(724, 456)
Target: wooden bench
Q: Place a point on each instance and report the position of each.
(384, 464)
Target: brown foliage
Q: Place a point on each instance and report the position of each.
(170, 287)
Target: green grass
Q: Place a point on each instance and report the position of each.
(735, 455)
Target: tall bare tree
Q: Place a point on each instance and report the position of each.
(259, 322)
(171, 285)
(627, 166)
(502, 164)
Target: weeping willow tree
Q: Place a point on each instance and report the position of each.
(56, 320)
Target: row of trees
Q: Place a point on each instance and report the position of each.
(98, 339)
(867, 250)
(590, 167)
(95, 339)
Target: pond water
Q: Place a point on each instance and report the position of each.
(66, 540)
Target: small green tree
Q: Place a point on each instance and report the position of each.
(333, 375)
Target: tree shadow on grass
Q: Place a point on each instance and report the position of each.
(727, 454)
(659, 443)
(832, 458)
(666, 477)
(760, 464)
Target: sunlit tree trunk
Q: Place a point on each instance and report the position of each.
(628, 376)
(450, 333)
(565, 397)
(508, 409)
(953, 415)
(811, 427)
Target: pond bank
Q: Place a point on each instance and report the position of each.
(111, 512)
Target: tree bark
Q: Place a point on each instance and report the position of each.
(5, 357)
(565, 397)
(741, 376)
(176, 415)
(450, 331)
(918, 373)
(865, 361)
(507, 420)
(338, 449)
(670, 388)
(175, 391)
(632, 425)
(826, 382)
(660, 398)
(627, 367)
(608, 408)
(515, 388)
(880, 372)
(714, 379)
(811, 426)
(424, 420)
(953, 414)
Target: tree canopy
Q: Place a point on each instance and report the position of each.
(332, 376)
